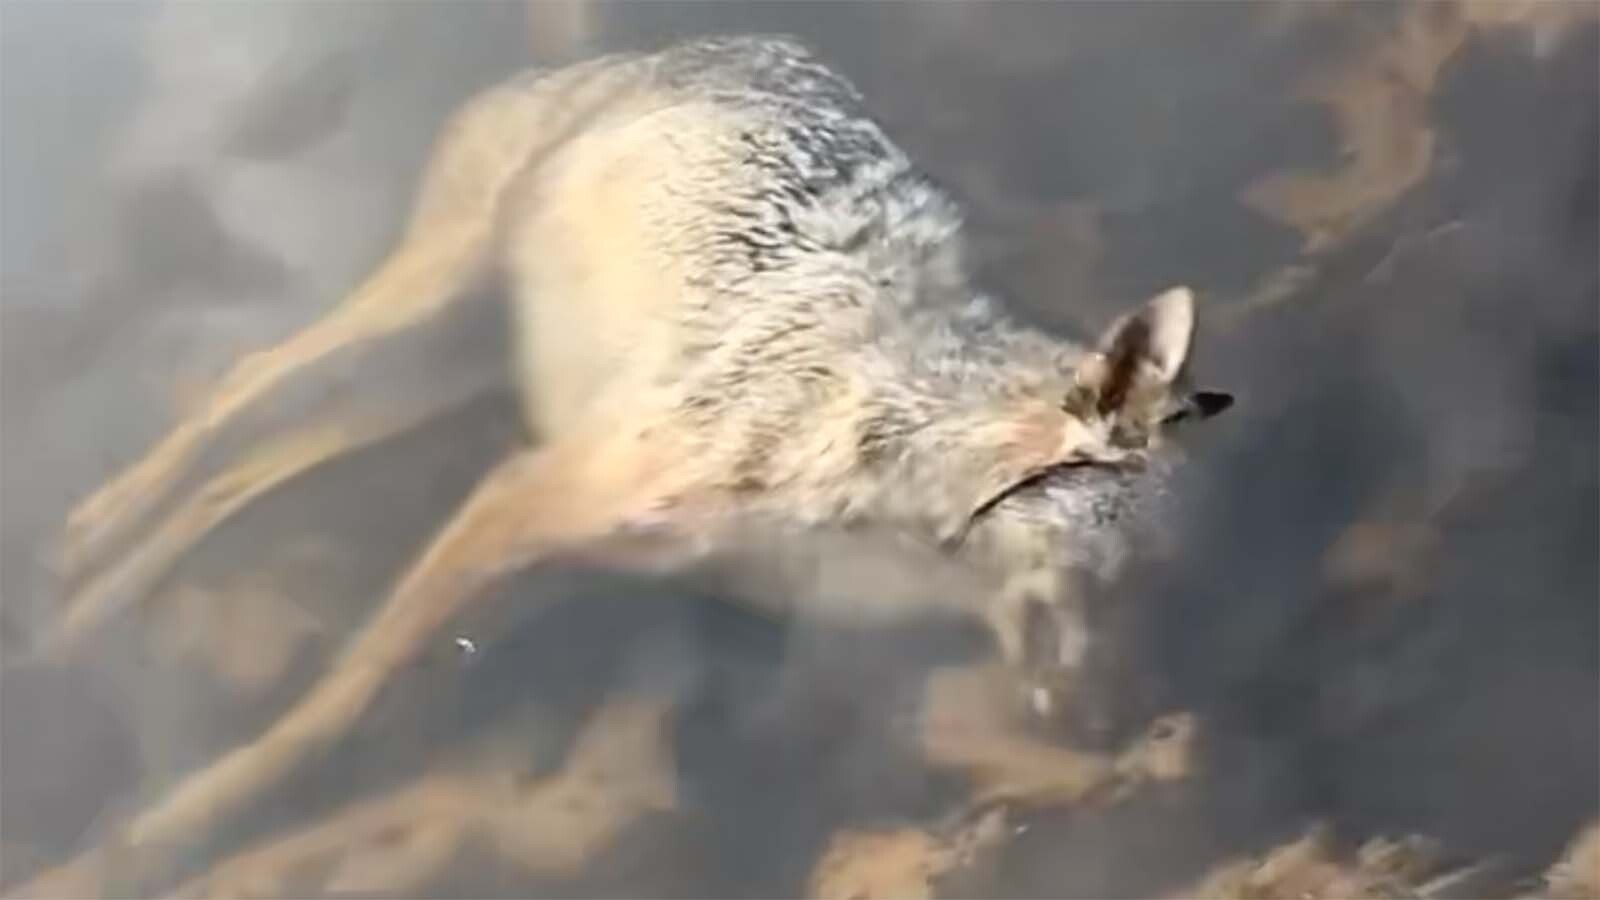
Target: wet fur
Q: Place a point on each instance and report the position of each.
(735, 300)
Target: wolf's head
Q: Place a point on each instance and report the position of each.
(1079, 481)
(1104, 447)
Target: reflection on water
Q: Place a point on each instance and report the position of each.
(1381, 605)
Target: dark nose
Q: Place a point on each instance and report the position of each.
(1209, 403)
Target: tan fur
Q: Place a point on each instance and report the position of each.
(736, 305)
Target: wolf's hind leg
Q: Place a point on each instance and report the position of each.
(325, 377)
(444, 256)
(272, 391)
(259, 469)
(557, 500)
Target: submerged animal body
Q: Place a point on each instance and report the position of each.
(764, 274)
(734, 299)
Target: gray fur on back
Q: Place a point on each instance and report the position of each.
(846, 360)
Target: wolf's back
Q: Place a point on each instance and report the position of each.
(721, 214)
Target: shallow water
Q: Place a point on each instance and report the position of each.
(1380, 593)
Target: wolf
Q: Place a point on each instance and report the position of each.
(734, 302)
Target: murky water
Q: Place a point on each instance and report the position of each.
(1382, 599)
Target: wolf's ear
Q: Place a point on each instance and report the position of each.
(1141, 351)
